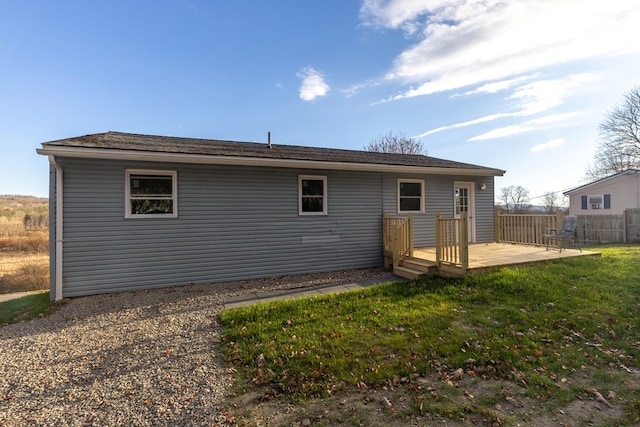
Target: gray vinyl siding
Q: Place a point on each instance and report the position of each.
(485, 212)
(234, 223)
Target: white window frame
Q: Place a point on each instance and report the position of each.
(422, 193)
(325, 198)
(589, 205)
(152, 172)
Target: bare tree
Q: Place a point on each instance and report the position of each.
(396, 143)
(514, 199)
(550, 202)
(619, 134)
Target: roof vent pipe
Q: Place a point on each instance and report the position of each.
(269, 138)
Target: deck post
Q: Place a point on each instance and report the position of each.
(496, 216)
(438, 239)
(394, 246)
(410, 235)
(385, 243)
(464, 241)
(558, 219)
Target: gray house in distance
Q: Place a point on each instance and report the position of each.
(133, 212)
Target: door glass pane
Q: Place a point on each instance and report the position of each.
(461, 200)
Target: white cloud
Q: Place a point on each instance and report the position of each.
(477, 121)
(313, 84)
(467, 42)
(356, 88)
(544, 95)
(394, 14)
(498, 86)
(531, 98)
(546, 122)
(553, 143)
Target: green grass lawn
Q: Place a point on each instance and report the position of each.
(26, 308)
(559, 330)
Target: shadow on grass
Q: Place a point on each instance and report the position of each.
(27, 308)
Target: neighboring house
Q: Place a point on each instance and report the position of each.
(607, 196)
(133, 212)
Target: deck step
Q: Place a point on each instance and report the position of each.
(414, 268)
(408, 273)
(419, 264)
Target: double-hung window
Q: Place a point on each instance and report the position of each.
(593, 202)
(410, 195)
(312, 195)
(151, 193)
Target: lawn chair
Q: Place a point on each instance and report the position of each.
(566, 232)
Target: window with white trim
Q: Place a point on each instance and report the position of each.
(600, 201)
(410, 195)
(595, 202)
(151, 194)
(312, 195)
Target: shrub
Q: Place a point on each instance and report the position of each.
(30, 276)
(35, 221)
(31, 242)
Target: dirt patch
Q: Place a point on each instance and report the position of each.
(434, 401)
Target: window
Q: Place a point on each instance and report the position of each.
(596, 202)
(312, 192)
(151, 193)
(410, 195)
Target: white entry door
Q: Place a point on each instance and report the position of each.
(464, 201)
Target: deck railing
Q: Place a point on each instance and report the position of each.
(398, 236)
(452, 241)
(526, 229)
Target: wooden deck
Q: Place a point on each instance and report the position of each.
(485, 256)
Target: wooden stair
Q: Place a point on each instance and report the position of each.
(414, 268)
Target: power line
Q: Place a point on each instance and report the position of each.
(560, 192)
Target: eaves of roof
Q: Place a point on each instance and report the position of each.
(600, 181)
(123, 146)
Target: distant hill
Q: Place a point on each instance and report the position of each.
(22, 203)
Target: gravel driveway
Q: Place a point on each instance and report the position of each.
(136, 358)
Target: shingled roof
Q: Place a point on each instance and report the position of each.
(166, 148)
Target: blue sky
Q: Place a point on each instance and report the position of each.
(519, 85)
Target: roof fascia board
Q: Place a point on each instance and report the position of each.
(601, 181)
(93, 153)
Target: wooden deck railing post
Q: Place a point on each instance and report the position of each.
(464, 241)
(384, 232)
(438, 239)
(410, 235)
(394, 246)
(558, 219)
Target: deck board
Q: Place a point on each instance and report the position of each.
(484, 256)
